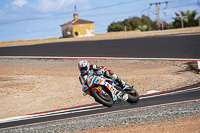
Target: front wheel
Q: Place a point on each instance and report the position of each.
(102, 96)
(133, 96)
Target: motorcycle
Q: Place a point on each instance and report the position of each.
(104, 90)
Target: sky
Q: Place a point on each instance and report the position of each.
(34, 19)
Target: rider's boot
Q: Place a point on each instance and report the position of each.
(122, 96)
(110, 74)
(121, 82)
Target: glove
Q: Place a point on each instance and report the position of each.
(84, 88)
(92, 67)
(99, 72)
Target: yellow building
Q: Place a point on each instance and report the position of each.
(77, 28)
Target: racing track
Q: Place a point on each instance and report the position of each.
(186, 46)
(182, 46)
(179, 95)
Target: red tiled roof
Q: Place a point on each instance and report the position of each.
(78, 21)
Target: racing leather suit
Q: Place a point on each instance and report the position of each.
(99, 70)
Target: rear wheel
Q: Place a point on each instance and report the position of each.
(101, 96)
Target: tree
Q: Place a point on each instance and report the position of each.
(189, 19)
(115, 27)
(135, 23)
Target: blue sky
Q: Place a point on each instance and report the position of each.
(32, 19)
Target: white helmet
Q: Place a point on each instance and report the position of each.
(83, 66)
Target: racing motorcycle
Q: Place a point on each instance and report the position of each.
(104, 90)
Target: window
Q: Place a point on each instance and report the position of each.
(76, 33)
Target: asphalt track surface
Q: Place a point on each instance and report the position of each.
(182, 94)
(181, 46)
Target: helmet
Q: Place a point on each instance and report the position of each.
(83, 67)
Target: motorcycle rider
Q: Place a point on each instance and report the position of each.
(84, 69)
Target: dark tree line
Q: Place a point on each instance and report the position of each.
(135, 23)
(189, 19)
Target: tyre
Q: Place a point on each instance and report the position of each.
(133, 96)
(103, 98)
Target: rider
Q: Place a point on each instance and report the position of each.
(84, 69)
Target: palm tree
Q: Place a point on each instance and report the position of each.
(189, 19)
